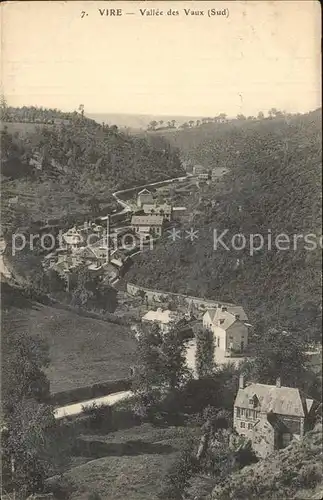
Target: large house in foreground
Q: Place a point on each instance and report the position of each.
(271, 415)
(229, 326)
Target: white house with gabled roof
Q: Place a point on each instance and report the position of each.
(229, 326)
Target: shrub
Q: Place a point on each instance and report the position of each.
(309, 475)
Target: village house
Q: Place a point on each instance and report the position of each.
(166, 319)
(144, 225)
(164, 210)
(73, 238)
(181, 214)
(204, 176)
(198, 169)
(37, 161)
(271, 415)
(229, 326)
(144, 197)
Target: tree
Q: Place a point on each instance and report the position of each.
(191, 123)
(279, 354)
(152, 125)
(81, 110)
(205, 353)
(260, 115)
(161, 367)
(29, 431)
(241, 117)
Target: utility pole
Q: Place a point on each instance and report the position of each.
(13, 470)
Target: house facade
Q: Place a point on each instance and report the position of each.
(203, 176)
(144, 197)
(146, 225)
(73, 238)
(164, 210)
(271, 415)
(229, 328)
(198, 169)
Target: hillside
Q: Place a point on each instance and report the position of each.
(214, 142)
(293, 473)
(73, 168)
(274, 187)
(136, 121)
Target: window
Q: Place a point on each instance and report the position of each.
(242, 412)
(221, 321)
(218, 341)
(238, 412)
(250, 426)
(242, 425)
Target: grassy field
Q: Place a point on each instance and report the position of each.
(83, 351)
(128, 463)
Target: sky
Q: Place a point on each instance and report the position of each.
(258, 56)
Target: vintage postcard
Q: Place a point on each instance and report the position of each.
(161, 250)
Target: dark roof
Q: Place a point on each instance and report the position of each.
(279, 400)
(147, 220)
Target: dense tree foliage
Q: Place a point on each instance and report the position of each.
(74, 167)
(33, 445)
(205, 353)
(274, 187)
(161, 369)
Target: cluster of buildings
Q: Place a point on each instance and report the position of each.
(203, 174)
(151, 217)
(86, 247)
(229, 325)
(270, 416)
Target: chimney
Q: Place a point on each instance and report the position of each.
(241, 382)
(237, 316)
(278, 382)
(108, 241)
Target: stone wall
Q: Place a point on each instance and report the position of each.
(160, 296)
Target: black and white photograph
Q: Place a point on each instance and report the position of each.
(161, 250)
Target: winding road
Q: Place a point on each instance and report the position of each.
(110, 399)
(76, 408)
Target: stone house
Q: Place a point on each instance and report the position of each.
(144, 197)
(229, 327)
(271, 415)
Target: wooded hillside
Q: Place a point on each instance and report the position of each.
(74, 167)
(274, 186)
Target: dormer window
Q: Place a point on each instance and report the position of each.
(221, 321)
(253, 401)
